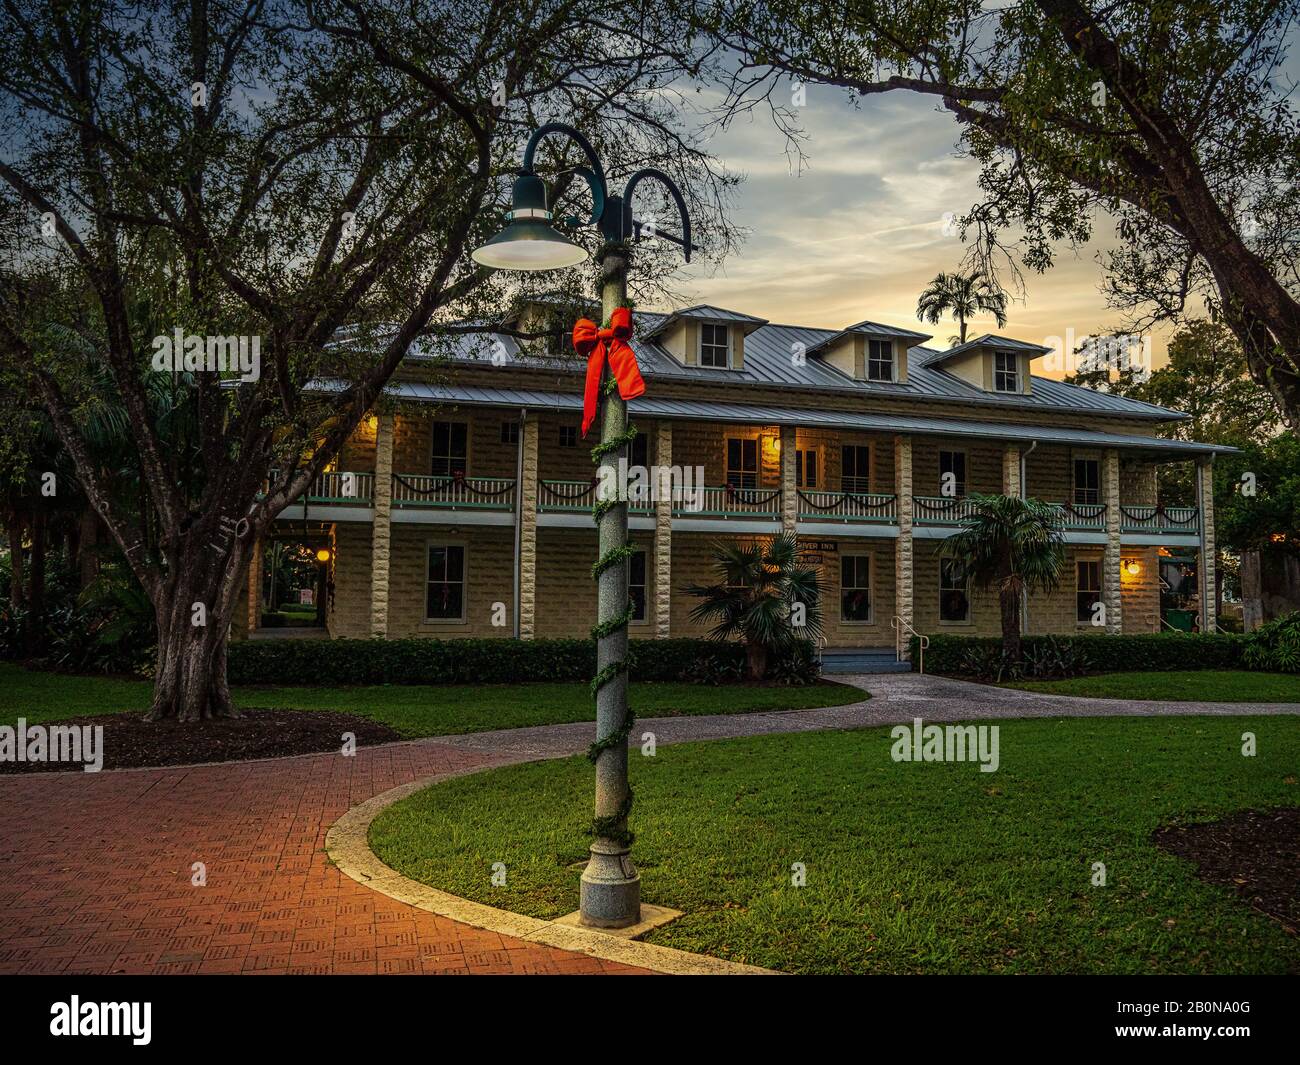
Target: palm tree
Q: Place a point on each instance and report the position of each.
(761, 592)
(1012, 544)
(965, 295)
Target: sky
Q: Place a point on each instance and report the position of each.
(860, 232)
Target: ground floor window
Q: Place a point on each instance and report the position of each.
(636, 585)
(1088, 585)
(954, 594)
(855, 587)
(445, 584)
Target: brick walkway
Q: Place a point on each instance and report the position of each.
(95, 874)
(95, 868)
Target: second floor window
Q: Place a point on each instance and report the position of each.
(805, 468)
(1087, 576)
(713, 345)
(742, 463)
(509, 432)
(855, 468)
(568, 436)
(450, 448)
(639, 453)
(636, 585)
(880, 360)
(1006, 371)
(952, 474)
(1087, 481)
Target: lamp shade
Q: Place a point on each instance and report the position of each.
(529, 241)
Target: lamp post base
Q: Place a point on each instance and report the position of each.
(610, 893)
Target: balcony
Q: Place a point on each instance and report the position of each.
(728, 501)
(848, 507)
(1082, 517)
(453, 493)
(1160, 519)
(573, 497)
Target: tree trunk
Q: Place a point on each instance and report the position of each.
(17, 586)
(36, 583)
(87, 541)
(1009, 604)
(756, 657)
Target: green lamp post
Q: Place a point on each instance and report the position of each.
(610, 886)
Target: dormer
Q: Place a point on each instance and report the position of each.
(549, 312)
(869, 352)
(708, 337)
(992, 363)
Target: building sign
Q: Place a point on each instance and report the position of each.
(305, 596)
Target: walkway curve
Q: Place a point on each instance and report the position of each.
(222, 868)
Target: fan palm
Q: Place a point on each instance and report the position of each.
(761, 596)
(965, 296)
(1012, 544)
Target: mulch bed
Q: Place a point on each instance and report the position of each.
(1256, 853)
(130, 742)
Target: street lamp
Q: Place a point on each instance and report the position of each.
(611, 887)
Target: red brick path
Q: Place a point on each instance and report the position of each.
(95, 873)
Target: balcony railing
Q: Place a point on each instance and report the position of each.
(569, 497)
(1160, 519)
(940, 510)
(728, 501)
(458, 493)
(339, 487)
(1082, 517)
(847, 507)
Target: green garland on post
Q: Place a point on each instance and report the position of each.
(608, 827)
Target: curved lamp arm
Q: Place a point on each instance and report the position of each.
(595, 176)
(673, 191)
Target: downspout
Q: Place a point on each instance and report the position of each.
(519, 516)
(1024, 494)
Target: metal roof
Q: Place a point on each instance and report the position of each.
(784, 356)
(872, 329)
(703, 312)
(751, 414)
(988, 340)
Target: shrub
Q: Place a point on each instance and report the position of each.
(1274, 647)
(970, 656)
(469, 661)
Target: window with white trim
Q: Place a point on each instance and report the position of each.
(568, 436)
(880, 360)
(742, 463)
(1006, 371)
(1087, 481)
(805, 468)
(952, 470)
(1087, 578)
(715, 348)
(509, 432)
(636, 584)
(450, 448)
(954, 591)
(855, 468)
(855, 587)
(445, 583)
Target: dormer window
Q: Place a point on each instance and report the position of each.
(1006, 371)
(715, 348)
(880, 360)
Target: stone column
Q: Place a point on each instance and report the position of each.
(663, 580)
(903, 603)
(381, 540)
(531, 431)
(1011, 483)
(1110, 575)
(255, 587)
(789, 490)
(1205, 500)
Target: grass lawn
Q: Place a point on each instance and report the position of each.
(911, 867)
(414, 710)
(1209, 685)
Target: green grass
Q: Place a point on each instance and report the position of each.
(911, 868)
(414, 710)
(1221, 686)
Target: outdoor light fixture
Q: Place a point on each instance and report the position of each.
(1132, 567)
(322, 554)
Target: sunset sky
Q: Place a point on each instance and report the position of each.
(859, 233)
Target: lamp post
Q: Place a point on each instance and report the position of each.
(610, 887)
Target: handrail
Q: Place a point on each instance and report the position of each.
(900, 626)
(1163, 623)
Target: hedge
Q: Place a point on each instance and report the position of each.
(469, 661)
(1104, 654)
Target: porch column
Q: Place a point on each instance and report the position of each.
(663, 456)
(789, 490)
(1110, 576)
(1205, 500)
(903, 546)
(1011, 483)
(255, 587)
(381, 531)
(529, 431)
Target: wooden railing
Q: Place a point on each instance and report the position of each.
(940, 510)
(339, 486)
(729, 502)
(847, 506)
(577, 496)
(1082, 517)
(1160, 519)
(479, 493)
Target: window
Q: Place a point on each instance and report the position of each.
(1087, 481)
(954, 594)
(450, 448)
(639, 452)
(568, 436)
(509, 432)
(445, 584)
(855, 468)
(636, 585)
(855, 587)
(742, 463)
(880, 360)
(952, 471)
(1006, 371)
(1087, 573)
(805, 468)
(714, 347)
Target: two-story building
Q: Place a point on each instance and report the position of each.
(467, 511)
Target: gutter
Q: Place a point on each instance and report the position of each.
(519, 518)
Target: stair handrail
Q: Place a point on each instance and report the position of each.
(900, 627)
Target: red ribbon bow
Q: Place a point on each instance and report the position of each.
(596, 345)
